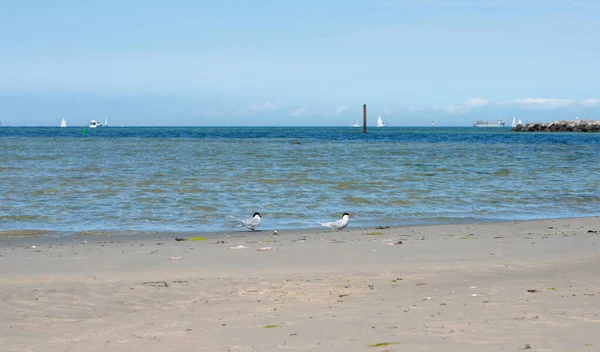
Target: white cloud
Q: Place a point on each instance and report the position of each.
(270, 106)
(341, 109)
(543, 103)
(254, 108)
(551, 103)
(475, 102)
(591, 102)
(415, 108)
(449, 109)
(467, 105)
(299, 112)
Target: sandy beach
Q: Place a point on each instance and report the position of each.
(512, 286)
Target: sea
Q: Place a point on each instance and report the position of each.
(132, 180)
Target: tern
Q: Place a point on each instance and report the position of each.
(252, 224)
(338, 224)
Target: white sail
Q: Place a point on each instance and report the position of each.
(519, 123)
(63, 123)
(105, 121)
(380, 122)
(514, 123)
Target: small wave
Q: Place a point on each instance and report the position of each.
(9, 218)
(502, 172)
(109, 233)
(203, 208)
(38, 157)
(43, 191)
(193, 190)
(9, 168)
(358, 200)
(267, 181)
(401, 202)
(345, 185)
(25, 233)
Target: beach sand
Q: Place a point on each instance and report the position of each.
(511, 286)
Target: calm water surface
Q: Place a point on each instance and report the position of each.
(190, 179)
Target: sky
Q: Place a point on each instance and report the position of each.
(297, 63)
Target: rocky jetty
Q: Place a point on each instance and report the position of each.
(560, 126)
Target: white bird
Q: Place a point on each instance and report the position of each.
(338, 224)
(252, 224)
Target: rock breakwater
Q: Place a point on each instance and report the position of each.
(560, 126)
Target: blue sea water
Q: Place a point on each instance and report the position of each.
(153, 179)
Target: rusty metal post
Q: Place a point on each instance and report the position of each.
(364, 118)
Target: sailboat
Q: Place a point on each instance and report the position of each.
(355, 124)
(105, 122)
(520, 122)
(514, 123)
(380, 122)
(63, 123)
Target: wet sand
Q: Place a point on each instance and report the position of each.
(513, 286)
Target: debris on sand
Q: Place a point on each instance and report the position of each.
(156, 283)
(238, 247)
(266, 249)
(175, 258)
(383, 344)
(180, 239)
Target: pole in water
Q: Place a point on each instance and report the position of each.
(364, 118)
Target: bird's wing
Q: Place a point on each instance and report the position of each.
(326, 224)
(337, 224)
(243, 222)
(252, 222)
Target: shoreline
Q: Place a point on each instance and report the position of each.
(51, 235)
(491, 286)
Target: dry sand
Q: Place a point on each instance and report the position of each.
(513, 286)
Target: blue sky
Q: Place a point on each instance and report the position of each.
(229, 62)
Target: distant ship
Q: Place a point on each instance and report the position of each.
(482, 123)
(380, 122)
(94, 124)
(63, 123)
(355, 124)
